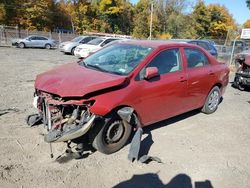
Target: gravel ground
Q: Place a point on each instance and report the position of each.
(197, 150)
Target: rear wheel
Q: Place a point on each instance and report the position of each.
(112, 136)
(21, 45)
(212, 101)
(73, 51)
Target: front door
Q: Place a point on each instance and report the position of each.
(162, 97)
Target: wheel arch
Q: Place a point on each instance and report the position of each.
(22, 43)
(115, 110)
(217, 84)
(47, 44)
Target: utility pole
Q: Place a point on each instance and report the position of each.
(151, 20)
(227, 37)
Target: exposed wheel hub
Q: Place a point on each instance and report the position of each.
(114, 132)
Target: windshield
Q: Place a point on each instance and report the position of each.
(77, 39)
(118, 59)
(95, 41)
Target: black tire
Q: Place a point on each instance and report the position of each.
(21, 45)
(47, 46)
(73, 51)
(237, 84)
(110, 134)
(240, 87)
(212, 101)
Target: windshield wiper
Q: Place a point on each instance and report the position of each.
(95, 66)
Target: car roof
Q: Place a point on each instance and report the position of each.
(157, 43)
(205, 41)
(108, 38)
(83, 36)
(37, 36)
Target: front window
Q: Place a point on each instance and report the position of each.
(118, 59)
(77, 39)
(167, 61)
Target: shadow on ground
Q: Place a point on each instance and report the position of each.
(150, 180)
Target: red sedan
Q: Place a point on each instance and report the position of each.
(129, 84)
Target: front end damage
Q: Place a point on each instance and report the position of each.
(65, 119)
(242, 76)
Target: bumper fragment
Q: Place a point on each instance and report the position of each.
(69, 134)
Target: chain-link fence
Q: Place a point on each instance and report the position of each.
(7, 34)
(227, 53)
(223, 46)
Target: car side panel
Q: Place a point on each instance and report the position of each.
(142, 97)
(153, 101)
(200, 81)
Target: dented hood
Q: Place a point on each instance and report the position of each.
(74, 80)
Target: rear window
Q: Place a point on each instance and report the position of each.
(195, 58)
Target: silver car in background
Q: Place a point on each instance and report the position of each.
(34, 42)
(69, 46)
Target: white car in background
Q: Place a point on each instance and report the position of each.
(69, 46)
(84, 50)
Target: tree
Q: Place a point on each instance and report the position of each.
(141, 19)
(248, 3)
(2, 13)
(221, 21)
(178, 23)
(201, 16)
(246, 24)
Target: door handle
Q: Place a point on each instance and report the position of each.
(211, 73)
(183, 79)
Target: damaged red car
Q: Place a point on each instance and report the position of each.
(131, 84)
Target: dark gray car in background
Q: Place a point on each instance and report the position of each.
(34, 42)
(207, 45)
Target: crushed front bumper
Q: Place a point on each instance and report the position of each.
(243, 79)
(65, 120)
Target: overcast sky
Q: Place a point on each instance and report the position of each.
(237, 8)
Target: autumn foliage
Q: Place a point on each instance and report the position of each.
(171, 18)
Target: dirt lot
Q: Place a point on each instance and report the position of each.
(197, 150)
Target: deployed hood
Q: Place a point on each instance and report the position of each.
(74, 80)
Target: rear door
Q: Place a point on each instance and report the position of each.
(42, 41)
(199, 75)
(163, 96)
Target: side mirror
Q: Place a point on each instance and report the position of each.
(151, 72)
